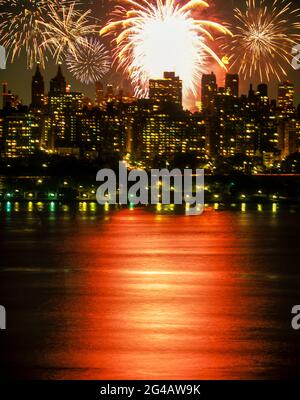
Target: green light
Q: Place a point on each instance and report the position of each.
(8, 206)
(52, 206)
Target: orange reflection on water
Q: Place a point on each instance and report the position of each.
(161, 297)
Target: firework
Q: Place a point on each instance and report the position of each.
(67, 28)
(20, 27)
(90, 62)
(152, 37)
(263, 38)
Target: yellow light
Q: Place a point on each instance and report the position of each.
(93, 207)
(225, 60)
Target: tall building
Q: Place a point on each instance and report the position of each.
(58, 83)
(168, 89)
(288, 135)
(286, 98)
(263, 99)
(22, 135)
(208, 90)
(232, 84)
(262, 89)
(110, 96)
(99, 100)
(65, 109)
(4, 94)
(9, 99)
(37, 90)
(251, 94)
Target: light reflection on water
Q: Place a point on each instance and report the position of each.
(131, 294)
(93, 207)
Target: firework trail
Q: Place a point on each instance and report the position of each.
(41, 26)
(154, 36)
(20, 27)
(263, 38)
(90, 62)
(67, 28)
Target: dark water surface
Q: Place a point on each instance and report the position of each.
(139, 295)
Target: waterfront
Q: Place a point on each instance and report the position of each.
(120, 294)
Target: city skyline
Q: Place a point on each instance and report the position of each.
(149, 197)
(263, 131)
(101, 10)
(123, 84)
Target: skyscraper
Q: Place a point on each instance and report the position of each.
(232, 84)
(168, 89)
(251, 93)
(286, 97)
(208, 90)
(288, 133)
(10, 100)
(58, 83)
(22, 134)
(263, 90)
(99, 95)
(37, 90)
(5, 96)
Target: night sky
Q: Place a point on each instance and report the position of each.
(19, 78)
